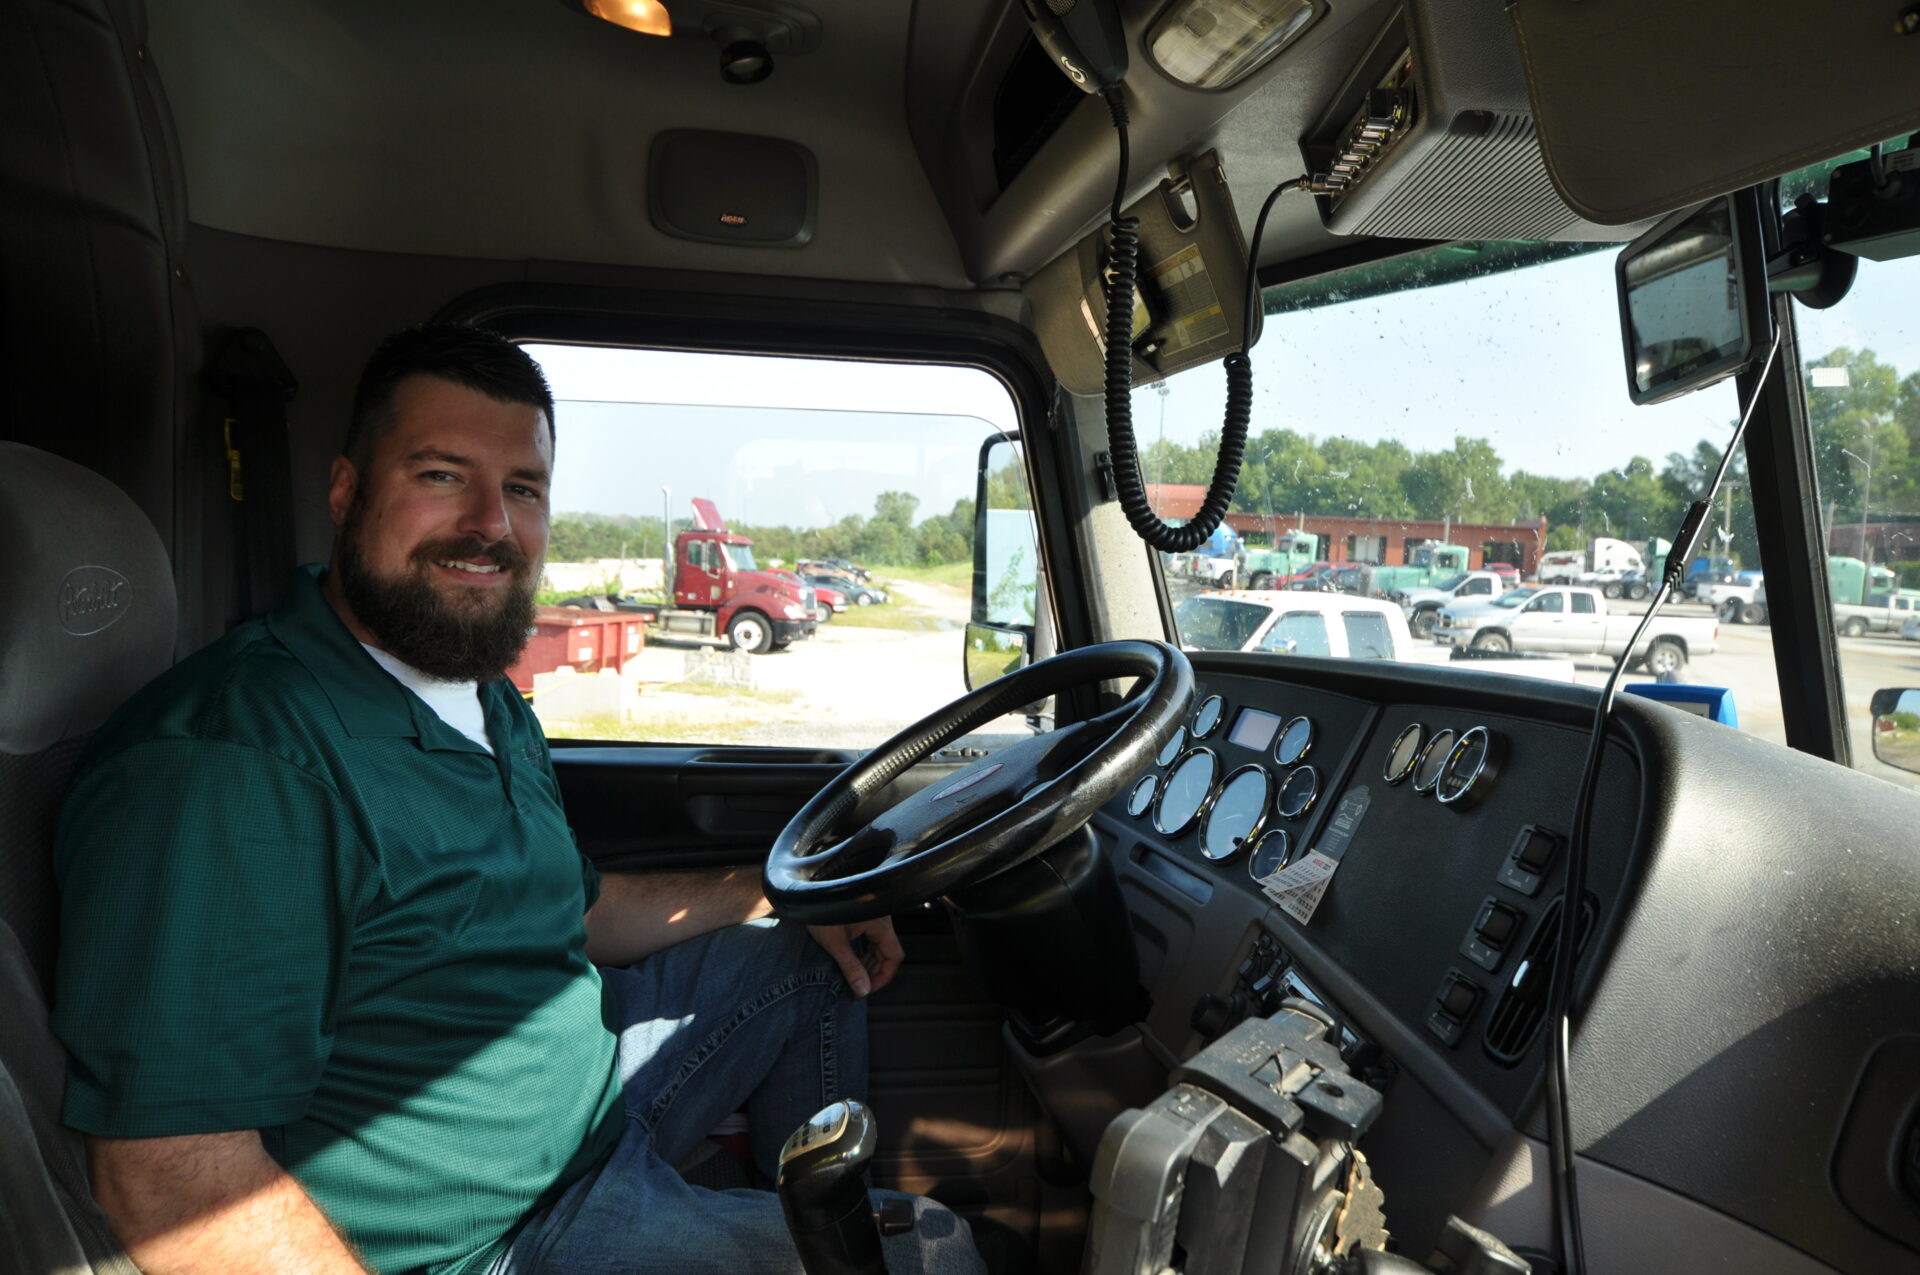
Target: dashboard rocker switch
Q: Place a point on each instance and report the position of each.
(1452, 1006)
(1493, 930)
(1533, 853)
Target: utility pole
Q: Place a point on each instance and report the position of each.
(666, 540)
(1866, 499)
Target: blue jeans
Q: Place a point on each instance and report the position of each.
(756, 1015)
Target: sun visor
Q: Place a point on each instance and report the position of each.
(1646, 106)
(1190, 304)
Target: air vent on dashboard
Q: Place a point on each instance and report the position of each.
(1516, 1016)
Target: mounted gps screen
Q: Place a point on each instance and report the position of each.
(1693, 306)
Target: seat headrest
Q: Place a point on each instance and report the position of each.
(86, 599)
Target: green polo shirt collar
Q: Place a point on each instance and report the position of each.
(370, 707)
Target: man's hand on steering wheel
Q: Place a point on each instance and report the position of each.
(868, 971)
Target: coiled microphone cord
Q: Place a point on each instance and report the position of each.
(1123, 275)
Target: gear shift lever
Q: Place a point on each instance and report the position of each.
(823, 1191)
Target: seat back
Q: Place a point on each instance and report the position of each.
(87, 619)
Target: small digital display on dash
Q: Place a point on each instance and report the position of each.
(1253, 729)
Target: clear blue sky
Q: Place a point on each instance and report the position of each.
(1528, 360)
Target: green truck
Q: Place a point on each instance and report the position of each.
(1293, 553)
(1426, 566)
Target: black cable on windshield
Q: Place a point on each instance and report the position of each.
(1560, 1145)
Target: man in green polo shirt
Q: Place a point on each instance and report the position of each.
(328, 974)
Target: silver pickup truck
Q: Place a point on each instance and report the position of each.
(1569, 620)
(1884, 613)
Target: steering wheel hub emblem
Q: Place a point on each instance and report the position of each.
(968, 781)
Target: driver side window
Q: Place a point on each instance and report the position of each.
(866, 469)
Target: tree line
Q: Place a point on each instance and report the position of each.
(1870, 422)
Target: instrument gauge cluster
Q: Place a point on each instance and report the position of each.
(1248, 777)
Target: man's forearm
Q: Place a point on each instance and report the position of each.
(216, 1204)
(641, 913)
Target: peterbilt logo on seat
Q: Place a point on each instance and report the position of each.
(93, 598)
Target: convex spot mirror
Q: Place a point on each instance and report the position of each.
(1003, 633)
(1693, 299)
(1896, 727)
(992, 653)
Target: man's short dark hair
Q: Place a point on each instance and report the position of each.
(483, 361)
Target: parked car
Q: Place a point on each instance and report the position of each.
(1422, 605)
(1353, 580)
(1883, 613)
(1737, 600)
(820, 599)
(860, 595)
(1329, 624)
(1506, 571)
(833, 567)
(1573, 620)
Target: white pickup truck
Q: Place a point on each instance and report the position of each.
(1884, 613)
(1335, 624)
(1423, 603)
(1568, 620)
(1738, 601)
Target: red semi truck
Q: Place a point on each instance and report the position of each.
(718, 589)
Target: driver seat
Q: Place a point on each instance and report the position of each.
(88, 620)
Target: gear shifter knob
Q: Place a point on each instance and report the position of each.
(823, 1191)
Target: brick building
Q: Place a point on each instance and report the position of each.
(1377, 541)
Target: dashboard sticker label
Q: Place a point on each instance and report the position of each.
(1345, 822)
(1299, 887)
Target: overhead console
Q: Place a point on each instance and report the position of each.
(1431, 137)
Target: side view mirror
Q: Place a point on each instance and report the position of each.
(1896, 727)
(1007, 629)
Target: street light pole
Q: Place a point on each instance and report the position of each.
(666, 540)
(1866, 499)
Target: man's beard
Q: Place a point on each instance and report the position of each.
(474, 639)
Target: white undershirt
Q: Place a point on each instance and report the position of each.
(457, 703)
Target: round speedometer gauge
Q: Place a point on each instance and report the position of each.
(1207, 716)
(1433, 758)
(1236, 814)
(1185, 791)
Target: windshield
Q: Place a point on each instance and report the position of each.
(1451, 582)
(741, 558)
(1514, 597)
(1446, 363)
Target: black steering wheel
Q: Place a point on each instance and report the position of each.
(832, 865)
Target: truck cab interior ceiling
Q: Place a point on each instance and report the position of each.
(687, 558)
